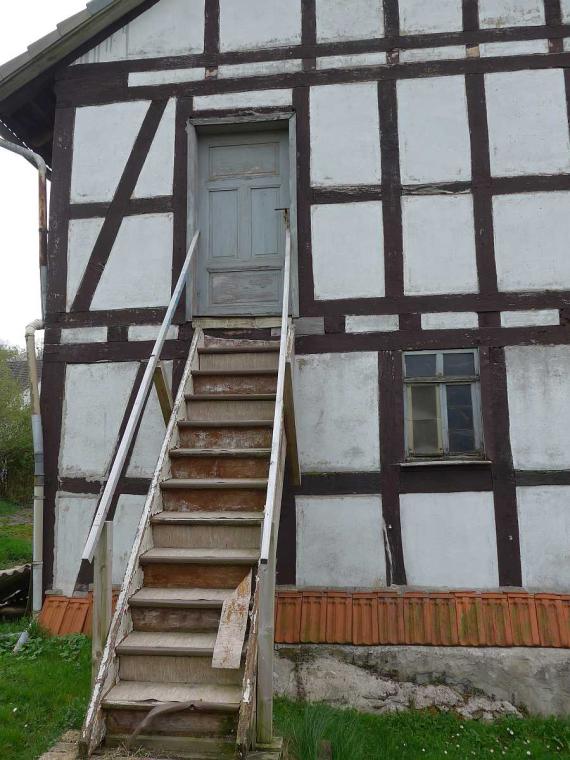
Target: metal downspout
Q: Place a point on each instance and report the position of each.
(37, 433)
(38, 324)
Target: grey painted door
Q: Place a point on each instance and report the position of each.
(243, 179)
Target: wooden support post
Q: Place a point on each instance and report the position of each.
(163, 392)
(102, 595)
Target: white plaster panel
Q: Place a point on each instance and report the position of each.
(566, 43)
(528, 122)
(434, 130)
(345, 136)
(259, 24)
(351, 61)
(171, 27)
(73, 516)
(125, 524)
(348, 250)
(165, 76)
(420, 17)
(95, 399)
(513, 47)
(565, 7)
(340, 542)
(103, 139)
(538, 382)
(501, 13)
(439, 245)
(151, 435)
(338, 20)
(530, 318)
(336, 397)
(157, 175)
(150, 332)
(447, 53)
(114, 48)
(139, 270)
(449, 540)
(372, 323)
(261, 68)
(252, 99)
(83, 234)
(522, 224)
(450, 320)
(84, 335)
(544, 526)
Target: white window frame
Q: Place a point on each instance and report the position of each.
(442, 381)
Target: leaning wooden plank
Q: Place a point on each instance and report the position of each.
(163, 392)
(246, 720)
(233, 626)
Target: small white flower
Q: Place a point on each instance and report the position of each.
(15, 710)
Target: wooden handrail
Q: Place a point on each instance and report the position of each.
(278, 418)
(136, 414)
(284, 442)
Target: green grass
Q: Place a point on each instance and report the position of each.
(415, 735)
(15, 535)
(43, 690)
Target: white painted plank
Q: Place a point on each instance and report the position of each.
(233, 626)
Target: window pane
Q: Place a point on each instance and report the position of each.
(420, 365)
(459, 365)
(460, 419)
(424, 419)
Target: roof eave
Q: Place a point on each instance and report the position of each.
(55, 47)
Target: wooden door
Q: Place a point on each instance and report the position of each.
(243, 179)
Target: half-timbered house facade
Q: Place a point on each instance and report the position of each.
(423, 150)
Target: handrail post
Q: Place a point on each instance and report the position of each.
(102, 595)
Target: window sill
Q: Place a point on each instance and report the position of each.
(444, 462)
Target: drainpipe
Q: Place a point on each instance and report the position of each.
(37, 433)
(40, 164)
(38, 324)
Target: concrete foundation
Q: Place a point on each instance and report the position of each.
(481, 683)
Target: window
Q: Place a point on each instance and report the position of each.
(442, 404)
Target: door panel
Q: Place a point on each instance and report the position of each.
(243, 179)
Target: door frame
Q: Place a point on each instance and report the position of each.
(235, 124)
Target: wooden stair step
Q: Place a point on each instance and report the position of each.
(225, 423)
(181, 598)
(230, 396)
(173, 644)
(232, 372)
(259, 484)
(222, 453)
(207, 518)
(143, 695)
(253, 349)
(168, 556)
(181, 747)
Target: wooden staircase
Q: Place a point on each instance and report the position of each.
(198, 540)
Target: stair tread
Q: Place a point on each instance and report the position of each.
(191, 518)
(222, 453)
(225, 556)
(230, 396)
(174, 483)
(232, 372)
(168, 643)
(224, 423)
(180, 597)
(149, 694)
(239, 349)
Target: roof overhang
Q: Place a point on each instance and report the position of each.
(27, 100)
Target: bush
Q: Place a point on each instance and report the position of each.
(16, 446)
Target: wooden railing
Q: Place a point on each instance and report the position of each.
(136, 414)
(258, 680)
(106, 632)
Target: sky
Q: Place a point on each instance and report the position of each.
(22, 23)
